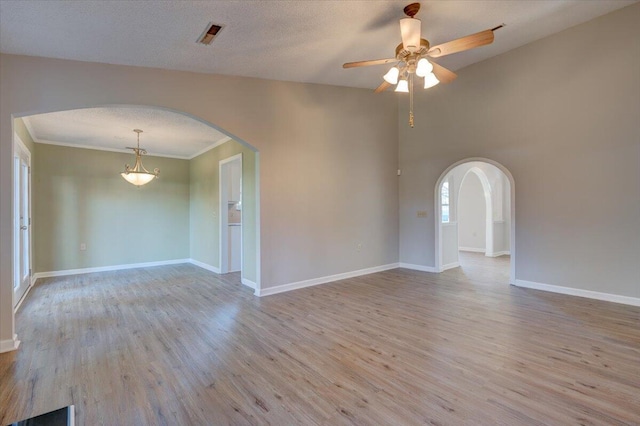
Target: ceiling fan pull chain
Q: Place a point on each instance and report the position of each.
(411, 100)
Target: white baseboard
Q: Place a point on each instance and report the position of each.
(450, 266)
(417, 267)
(9, 344)
(204, 266)
(24, 296)
(249, 283)
(472, 249)
(65, 272)
(626, 300)
(323, 280)
(499, 253)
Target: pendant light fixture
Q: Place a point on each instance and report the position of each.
(138, 175)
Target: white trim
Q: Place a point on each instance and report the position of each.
(209, 148)
(417, 267)
(205, 266)
(18, 144)
(512, 201)
(471, 249)
(62, 273)
(450, 266)
(223, 221)
(323, 280)
(24, 296)
(248, 283)
(615, 298)
(9, 344)
(100, 148)
(499, 253)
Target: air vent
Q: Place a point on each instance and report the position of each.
(209, 34)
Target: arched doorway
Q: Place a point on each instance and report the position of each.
(106, 245)
(493, 202)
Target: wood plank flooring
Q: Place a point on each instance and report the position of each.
(178, 345)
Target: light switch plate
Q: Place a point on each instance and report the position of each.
(422, 213)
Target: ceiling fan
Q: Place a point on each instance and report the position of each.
(411, 57)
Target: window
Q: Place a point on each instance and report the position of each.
(444, 201)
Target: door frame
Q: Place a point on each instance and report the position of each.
(19, 145)
(223, 234)
(438, 214)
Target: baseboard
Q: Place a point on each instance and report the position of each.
(65, 272)
(24, 296)
(499, 253)
(417, 267)
(249, 283)
(472, 249)
(204, 266)
(9, 344)
(626, 300)
(450, 266)
(323, 280)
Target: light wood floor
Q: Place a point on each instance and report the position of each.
(178, 345)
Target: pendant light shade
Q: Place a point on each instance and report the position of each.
(423, 68)
(403, 86)
(391, 76)
(430, 80)
(138, 175)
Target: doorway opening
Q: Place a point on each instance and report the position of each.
(475, 220)
(21, 220)
(230, 179)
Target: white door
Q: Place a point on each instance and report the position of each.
(22, 221)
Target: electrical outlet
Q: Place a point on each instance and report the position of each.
(83, 246)
(422, 213)
(359, 246)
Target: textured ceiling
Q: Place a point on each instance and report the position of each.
(305, 41)
(165, 133)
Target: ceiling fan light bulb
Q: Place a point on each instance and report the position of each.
(410, 31)
(430, 80)
(423, 68)
(391, 76)
(403, 86)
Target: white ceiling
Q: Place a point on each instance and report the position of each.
(304, 41)
(165, 133)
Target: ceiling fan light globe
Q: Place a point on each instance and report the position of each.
(423, 68)
(403, 86)
(430, 80)
(391, 76)
(410, 31)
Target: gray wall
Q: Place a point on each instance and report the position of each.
(79, 197)
(328, 156)
(205, 208)
(561, 114)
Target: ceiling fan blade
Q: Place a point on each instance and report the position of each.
(460, 45)
(384, 86)
(368, 63)
(442, 74)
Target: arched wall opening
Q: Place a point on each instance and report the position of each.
(198, 166)
(498, 190)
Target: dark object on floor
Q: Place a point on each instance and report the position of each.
(61, 417)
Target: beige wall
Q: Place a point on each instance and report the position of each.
(328, 156)
(79, 197)
(205, 206)
(25, 136)
(562, 114)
